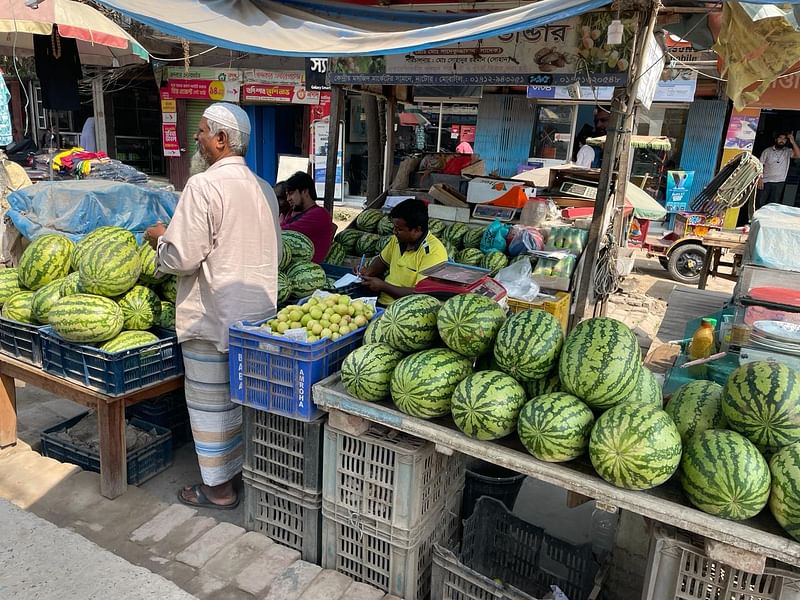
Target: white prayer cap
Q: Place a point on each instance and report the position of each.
(228, 115)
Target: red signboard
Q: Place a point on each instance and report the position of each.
(169, 135)
(267, 92)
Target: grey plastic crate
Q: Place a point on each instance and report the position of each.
(283, 451)
(680, 570)
(293, 520)
(389, 479)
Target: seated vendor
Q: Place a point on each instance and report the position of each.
(306, 216)
(410, 251)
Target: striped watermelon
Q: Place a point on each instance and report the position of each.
(452, 251)
(19, 307)
(385, 226)
(286, 256)
(45, 260)
(284, 288)
(9, 284)
(101, 234)
(784, 501)
(647, 390)
(86, 318)
(423, 383)
(348, 239)
(302, 248)
(695, 407)
(635, 446)
(725, 475)
(71, 284)
(129, 339)
(600, 362)
(409, 323)
(469, 256)
(472, 238)
(367, 243)
(494, 261)
(167, 317)
(368, 219)
(454, 233)
(762, 402)
(109, 268)
(148, 275)
(436, 227)
(528, 344)
(306, 278)
(546, 385)
(555, 427)
(367, 371)
(486, 362)
(485, 406)
(468, 323)
(382, 242)
(336, 254)
(169, 289)
(44, 298)
(373, 334)
(141, 308)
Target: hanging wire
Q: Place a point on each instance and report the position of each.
(606, 279)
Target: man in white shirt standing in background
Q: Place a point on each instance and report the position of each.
(776, 160)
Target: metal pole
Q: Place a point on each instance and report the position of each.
(98, 101)
(439, 130)
(331, 166)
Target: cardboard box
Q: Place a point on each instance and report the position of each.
(448, 213)
(486, 189)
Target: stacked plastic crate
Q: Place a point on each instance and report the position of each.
(387, 498)
(282, 478)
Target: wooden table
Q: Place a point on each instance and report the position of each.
(715, 243)
(110, 414)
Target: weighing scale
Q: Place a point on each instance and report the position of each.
(587, 192)
(448, 279)
(487, 212)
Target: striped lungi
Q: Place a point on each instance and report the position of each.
(216, 421)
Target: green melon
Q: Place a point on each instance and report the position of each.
(368, 219)
(302, 248)
(423, 383)
(385, 226)
(635, 446)
(9, 284)
(528, 345)
(382, 242)
(19, 307)
(141, 308)
(44, 298)
(306, 278)
(452, 251)
(367, 371)
(367, 244)
(373, 334)
(470, 256)
(47, 258)
(472, 238)
(286, 255)
(695, 407)
(409, 323)
(86, 318)
(336, 254)
(784, 500)
(101, 234)
(647, 390)
(169, 289)
(149, 263)
(468, 323)
(436, 227)
(71, 284)
(348, 239)
(486, 405)
(724, 475)
(486, 362)
(109, 268)
(284, 288)
(167, 317)
(555, 427)
(546, 385)
(494, 261)
(454, 233)
(129, 339)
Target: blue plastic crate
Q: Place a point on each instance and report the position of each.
(143, 463)
(116, 373)
(274, 373)
(21, 340)
(168, 411)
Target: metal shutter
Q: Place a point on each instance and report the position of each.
(194, 112)
(701, 143)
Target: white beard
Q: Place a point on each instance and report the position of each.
(198, 164)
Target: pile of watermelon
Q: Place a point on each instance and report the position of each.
(102, 291)
(298, 276)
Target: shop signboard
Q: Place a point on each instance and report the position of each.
(204, 84)
(317, 74)
(169, 125)
(679, 184)
(276, 93)
(676, 85)
(679, 87)
(741, 134)
(273, 76)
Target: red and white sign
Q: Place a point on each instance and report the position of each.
(321, 110)
(204, 89)
(169, 138)
(288, 94)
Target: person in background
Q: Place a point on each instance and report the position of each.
(306, 216)
(411, 250)
(585, 156)
(283, 203)
(88, 139)
(464, 148)
(776, 160)
(223, 244)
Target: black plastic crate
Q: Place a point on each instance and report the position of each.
(168, 411)
(354, 290)
(21, 340)
(143, 463)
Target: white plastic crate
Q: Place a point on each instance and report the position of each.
(389, 479)
(680, 570)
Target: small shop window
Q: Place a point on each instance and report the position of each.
(552, 133)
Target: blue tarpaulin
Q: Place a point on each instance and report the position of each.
(75, 208)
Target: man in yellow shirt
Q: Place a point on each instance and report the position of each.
(410, 251)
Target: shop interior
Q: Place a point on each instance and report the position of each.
(771, 123)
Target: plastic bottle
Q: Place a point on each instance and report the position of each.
(534, 212)
(702, 346)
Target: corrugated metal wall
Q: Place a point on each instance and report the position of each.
(701, 144)
(504, 131)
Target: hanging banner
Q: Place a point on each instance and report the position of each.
(679, 184)
(204, 89)
(319, 157)
(317, 74)
(742, 130)
(321, 110)
(169, 125)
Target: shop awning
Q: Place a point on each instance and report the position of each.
(644, 206)
(316, 28)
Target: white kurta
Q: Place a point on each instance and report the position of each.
(224, 245)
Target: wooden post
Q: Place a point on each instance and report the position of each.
(8, 411)
(331, 165)
(388, 165)
(98, 100)
(113, 453)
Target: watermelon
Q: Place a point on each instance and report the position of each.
(367, 371)
(348, 239)
(9, 284)
(555, 427)
(301, 247)
(141, 308)
(761, 400)
(19, 307)
(104, 234)
(286, 255)
(148, 257)
(695, 407)
(336, 254)
(470, 256)
(86, 318)
(409, 323)
(486, 405)
(600, 362)
(367, 244)
(784, 501)
(129, 339)
(284, 288)
(373, 334)
(436, 227)
(468, 323)
(528, 344)
(486, 362)
(494, 261)
(452, 251)
(71, 284)
(635, 446)
(545, 385)
(385, 226)
(306, 278)
(647, 390)
(368, 219)
(472, 238)
(167, 317)
(45, 260)
(423, 383)
(454, 233)
(382, 242)
(44, 298)
(109, 268)
(723, 474)
(169, 289)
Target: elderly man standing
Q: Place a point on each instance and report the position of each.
(223, 245)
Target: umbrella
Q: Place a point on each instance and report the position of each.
(100, 41)
(413, 119)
